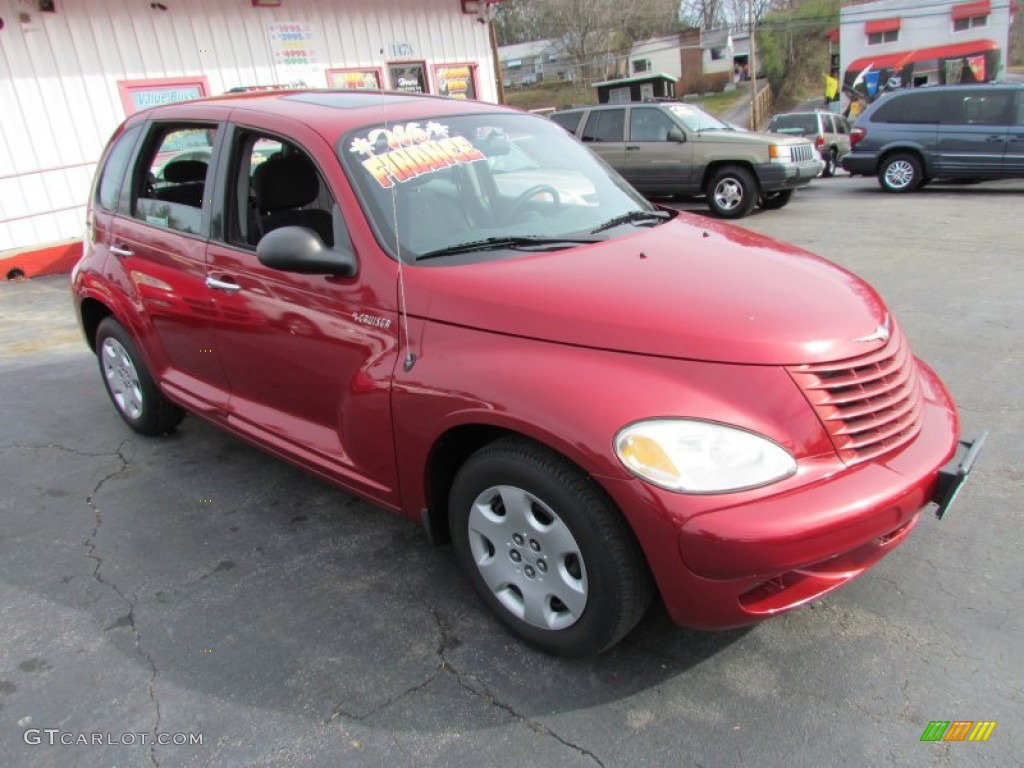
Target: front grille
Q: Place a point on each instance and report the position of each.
(869, 404)
(802, 153)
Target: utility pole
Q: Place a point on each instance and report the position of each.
(755, 107)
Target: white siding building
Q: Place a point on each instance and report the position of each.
(70, 75)
(924, 42)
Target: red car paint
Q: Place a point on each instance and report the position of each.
(690, 318)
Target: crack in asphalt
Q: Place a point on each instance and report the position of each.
(467, 681)
(59, 447)
(485, 693)
(129, 619)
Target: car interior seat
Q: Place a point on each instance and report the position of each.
(283, 185)
(185, 180)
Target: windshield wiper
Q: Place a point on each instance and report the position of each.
(497, 243)
(632, 216)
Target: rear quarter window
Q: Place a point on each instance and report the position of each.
(568, 120)
(108, 190)
(921, 107)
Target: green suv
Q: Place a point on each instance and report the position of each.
(675, 148)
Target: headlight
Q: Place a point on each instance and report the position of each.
(690, 456)
(779, 153)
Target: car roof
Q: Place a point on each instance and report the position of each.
(332, 112)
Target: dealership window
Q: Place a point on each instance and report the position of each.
(889, 36)
(962, 25)
(641, 65)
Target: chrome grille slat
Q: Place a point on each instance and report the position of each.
(871, 404)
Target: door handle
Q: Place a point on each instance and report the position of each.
(632, 148)
(996, 138)
(222, 285)
(122, 252)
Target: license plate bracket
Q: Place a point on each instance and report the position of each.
(954, 474)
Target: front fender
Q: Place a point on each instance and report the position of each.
(575, 399)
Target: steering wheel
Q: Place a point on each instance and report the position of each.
(520, 204)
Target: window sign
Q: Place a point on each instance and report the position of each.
(354, 79)
(457, 81)
(410, 77)
(137, 95)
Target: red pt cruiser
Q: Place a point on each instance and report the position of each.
(457, 312)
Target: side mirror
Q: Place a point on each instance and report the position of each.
(676, 134)
(300, 250)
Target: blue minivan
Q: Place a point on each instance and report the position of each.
(958, 132)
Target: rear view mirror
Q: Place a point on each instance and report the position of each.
(300, 250)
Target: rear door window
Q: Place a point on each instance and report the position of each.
(172, 176)
(605, 125)
(795, 125)
(923, 107)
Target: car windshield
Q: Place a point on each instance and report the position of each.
(443, 183)
(696, 119)
(794, 125)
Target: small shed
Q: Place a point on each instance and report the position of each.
(637, 88)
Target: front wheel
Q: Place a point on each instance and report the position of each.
(546, 549)
(731, 192)
(131, 387)
(772, 201)
(900, 173)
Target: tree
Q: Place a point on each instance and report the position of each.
(791, 46)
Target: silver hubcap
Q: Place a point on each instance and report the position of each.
(528, 557)
(899, 174)
(122, 378)
(728, 194)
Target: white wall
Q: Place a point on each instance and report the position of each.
(924, 24)
(59, 100)
(663, 53)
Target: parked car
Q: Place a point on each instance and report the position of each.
(675, 148)
(962, 133)
(829, 132)
(594, 399)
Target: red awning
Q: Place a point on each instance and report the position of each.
(899, 60)
(882, 25)
(970, 10)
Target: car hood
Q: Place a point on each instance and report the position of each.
(690, 288)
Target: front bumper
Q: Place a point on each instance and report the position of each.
(774, 177)
(739, 564)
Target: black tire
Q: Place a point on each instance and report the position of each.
(900, 173)
(772, 201)
(830, 164)
(129, 384)
(731, 192)
(530, 528)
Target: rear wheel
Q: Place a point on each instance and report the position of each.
(900, 173)
(130, 385)
(731, 192)
(546, 549)
(772, 201)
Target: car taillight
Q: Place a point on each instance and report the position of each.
(819, 141)
(856, 134)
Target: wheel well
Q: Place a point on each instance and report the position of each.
(93, 313)
(903, 151)
(448, 454)
(712, 168)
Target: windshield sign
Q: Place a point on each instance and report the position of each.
(485, 186)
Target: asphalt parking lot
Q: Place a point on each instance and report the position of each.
(192, 585)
